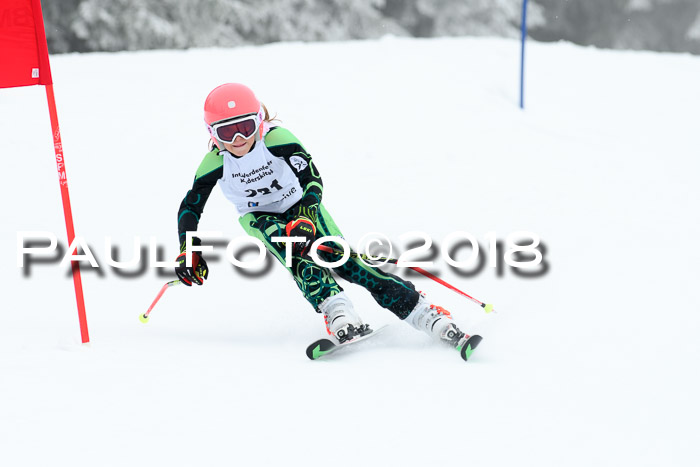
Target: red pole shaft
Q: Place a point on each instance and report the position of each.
(442, 282)
(67, 212)
(160, 294)
(417, 269)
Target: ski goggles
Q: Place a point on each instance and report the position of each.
(228, 130)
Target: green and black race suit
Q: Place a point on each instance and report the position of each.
(270, 186)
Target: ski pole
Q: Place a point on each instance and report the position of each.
(144, 317)
(488, 307)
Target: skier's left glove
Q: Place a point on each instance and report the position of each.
(301, 227)
(198, 272)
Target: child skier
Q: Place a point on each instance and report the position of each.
(266, 172)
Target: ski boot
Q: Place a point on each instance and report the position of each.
(437, 322)
(341, 319)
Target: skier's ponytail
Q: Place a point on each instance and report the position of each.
(267, 117)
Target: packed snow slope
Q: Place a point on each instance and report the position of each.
(594, 362)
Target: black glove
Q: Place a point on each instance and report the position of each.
(302, 226)
(199, 271)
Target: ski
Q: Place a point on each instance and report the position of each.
(466, 350)
(327, 345)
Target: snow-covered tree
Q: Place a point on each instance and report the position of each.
(693, 32)
(627, 24)
(131, 24)
(127, 24)
(429, 18)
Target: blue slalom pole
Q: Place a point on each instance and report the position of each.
(523, 34)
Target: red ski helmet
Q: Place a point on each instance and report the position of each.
(229, 101)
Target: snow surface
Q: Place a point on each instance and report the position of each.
(594, 363)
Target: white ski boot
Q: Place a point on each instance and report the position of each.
(341, 319)
(436, 322)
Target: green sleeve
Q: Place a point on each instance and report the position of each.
(209, 172)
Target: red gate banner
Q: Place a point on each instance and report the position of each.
(24, 57)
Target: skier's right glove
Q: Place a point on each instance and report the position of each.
(198, 272)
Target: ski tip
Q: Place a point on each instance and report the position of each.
(311, 351)
(319, 348)
(143, 318)
(469, 346)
